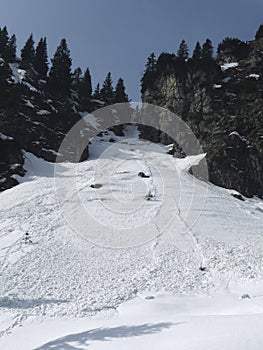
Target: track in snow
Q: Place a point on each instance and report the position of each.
(62, 274)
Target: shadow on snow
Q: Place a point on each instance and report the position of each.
(78, 340)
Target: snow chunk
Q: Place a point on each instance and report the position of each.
(43, 112)
(15, 166)
(242, 138)
(51, 151)
(99, 102)
(255, 76)
(235, 133)
(189, 161)
(226, 80)
(31, 87)
(4, 137)
(29, 104)
(226, 66)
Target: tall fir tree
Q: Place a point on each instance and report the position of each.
(41, 58)
(120, 95)
(28, 53)
(76, 78)
(60, 72)
(149, 72)
(11, 50)
(4, 39)
(96, 94)
(87, 83)
(197, 53)
(106, 92)
(207, 51)
(183, 52)
(150, 64)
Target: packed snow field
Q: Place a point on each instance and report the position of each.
(159, 262)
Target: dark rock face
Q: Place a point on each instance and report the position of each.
(223, 106)
(11, 163)
(237, 165)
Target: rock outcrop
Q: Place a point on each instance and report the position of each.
(222, 102)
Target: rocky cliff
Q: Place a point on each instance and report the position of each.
(222, 101)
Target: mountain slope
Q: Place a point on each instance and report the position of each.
(185, 225)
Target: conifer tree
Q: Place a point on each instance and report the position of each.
(120, 95)
(150, 64)
(4, 42)
(87, 83)
(207, 51)
(149, 72)
(96, 94)
(77, 80)
(60, 72)
(107, 93)
(182, 52)
(41, 58)
(76, 76)
(11, 50)
(197, 53)
(28, 53)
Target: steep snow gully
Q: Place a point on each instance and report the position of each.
(183, 237)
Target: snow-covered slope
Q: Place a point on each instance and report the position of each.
(149, 292)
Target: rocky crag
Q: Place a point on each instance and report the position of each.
(221, 100)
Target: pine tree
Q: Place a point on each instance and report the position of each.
(120, 95)
(182, 52)
(150, 64)
(76, 78)
(11, 50)
(87, 84)
(28, 53)
(149, 72)
(207, 51)
(107, 93)
(259, 33)
(96, 94)
(197, 53)
(4, 39)
(41, 58)
(60, 72)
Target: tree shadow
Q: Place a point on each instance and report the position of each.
(16, 303)
(78, 340)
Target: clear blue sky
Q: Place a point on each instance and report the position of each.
(118, 35)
